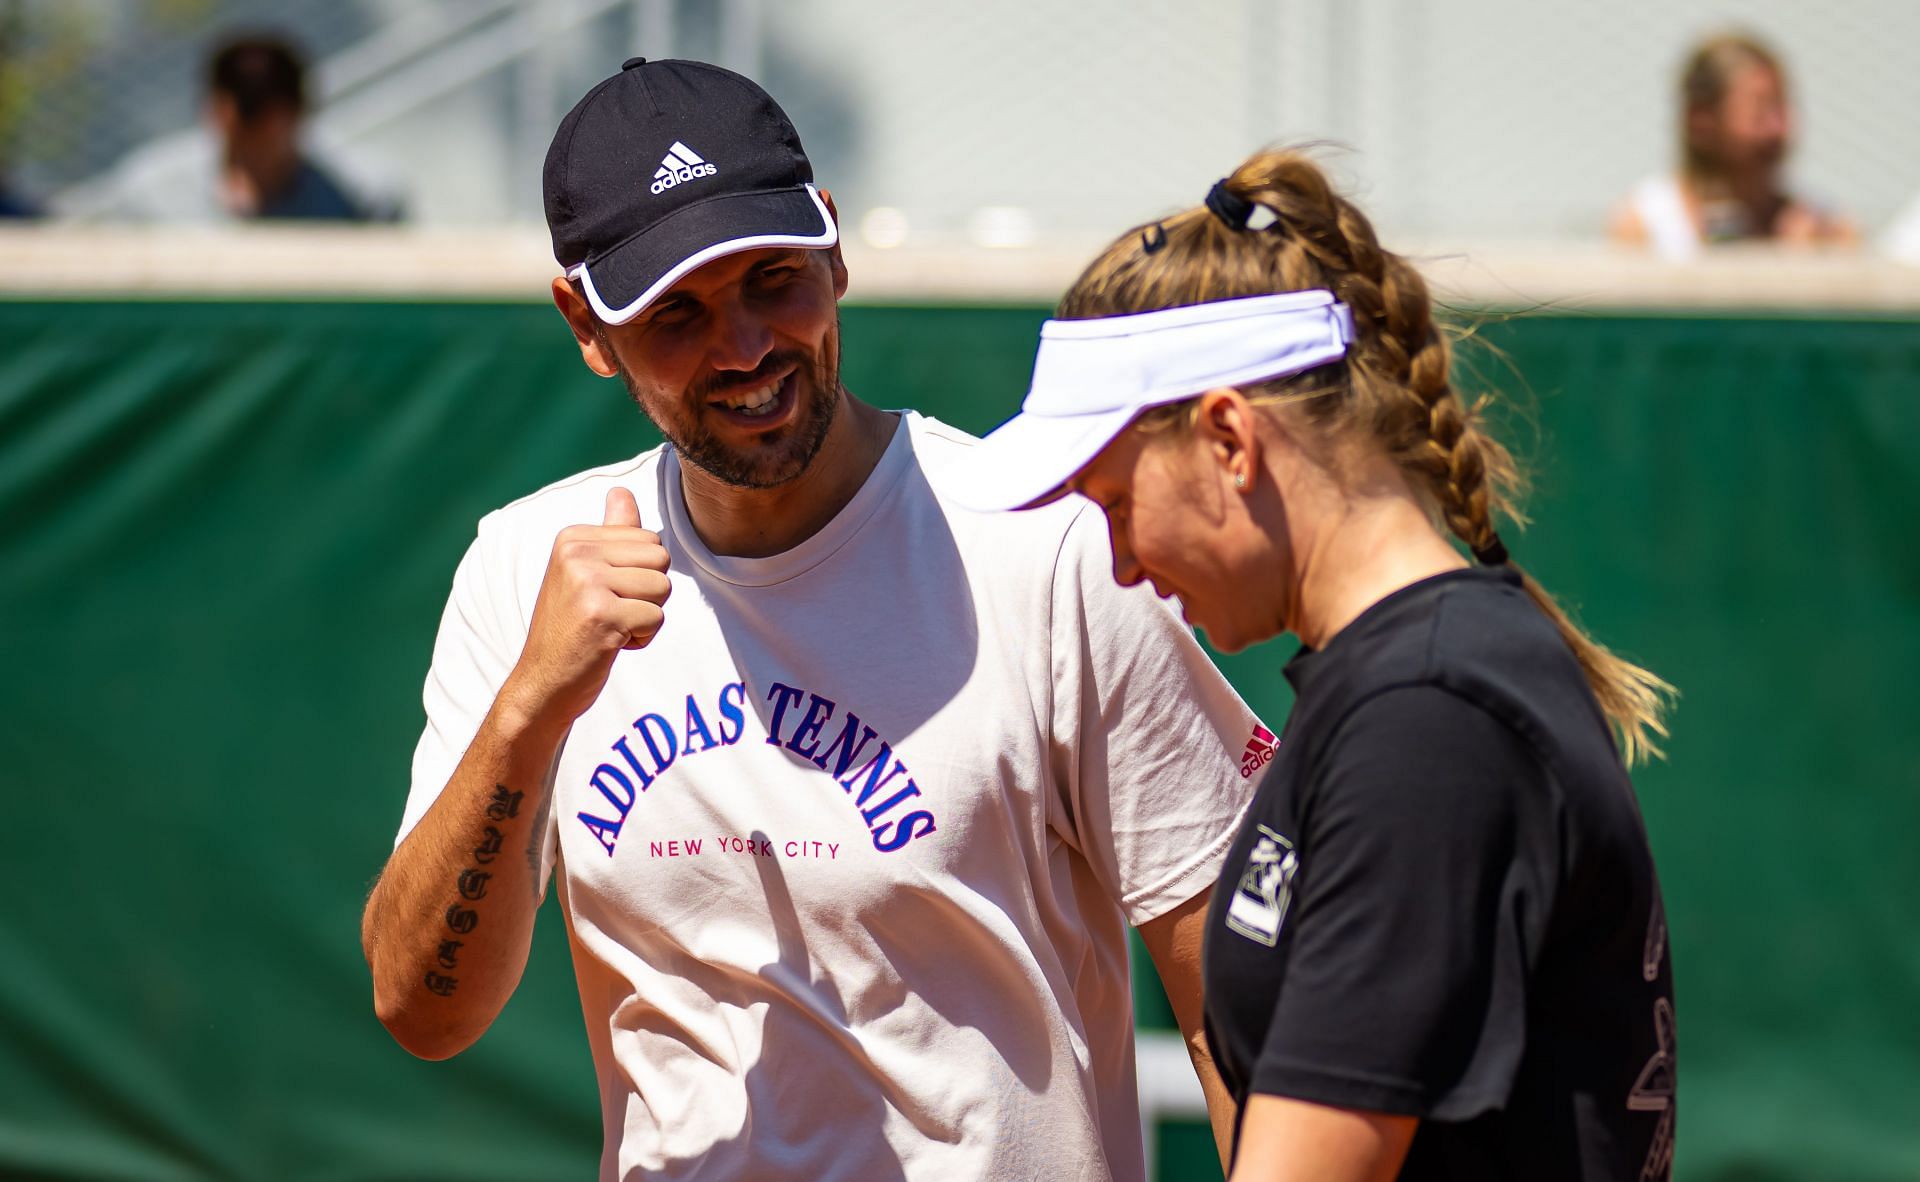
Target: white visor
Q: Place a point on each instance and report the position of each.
(1091, 378)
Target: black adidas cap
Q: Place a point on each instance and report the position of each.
(666, 166)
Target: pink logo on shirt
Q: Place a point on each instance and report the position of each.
(1260, 751)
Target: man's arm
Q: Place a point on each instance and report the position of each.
(1287, 1140)
(447, 929)
(1173, 941)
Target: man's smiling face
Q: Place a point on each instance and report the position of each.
(738, 364)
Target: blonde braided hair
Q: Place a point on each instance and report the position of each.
(1395, 387)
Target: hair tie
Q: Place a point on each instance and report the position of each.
(1494, 553)
(1230, 208)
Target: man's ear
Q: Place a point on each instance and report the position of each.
(595, 349)
(1227, 423)
(835, 261)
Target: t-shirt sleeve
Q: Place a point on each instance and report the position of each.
(1148, 737)
(478, 642)
(1419, 899)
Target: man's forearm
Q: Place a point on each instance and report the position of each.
(1175, 941)
(1221, 1111)
(447, 928)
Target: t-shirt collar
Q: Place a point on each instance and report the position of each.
(1308, 664)
(790, 563)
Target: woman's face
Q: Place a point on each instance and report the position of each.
(1752, 127)
(1178, 522)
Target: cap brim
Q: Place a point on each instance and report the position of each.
(1025, 461)
(622, 281)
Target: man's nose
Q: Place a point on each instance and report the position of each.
(741, 341)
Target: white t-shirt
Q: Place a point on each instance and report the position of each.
(1662, 208)
(847, 851)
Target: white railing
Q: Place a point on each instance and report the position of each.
(517, 263)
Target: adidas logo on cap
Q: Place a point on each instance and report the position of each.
(1260, 751)
(679, 165)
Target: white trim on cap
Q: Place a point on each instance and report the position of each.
(701, 258)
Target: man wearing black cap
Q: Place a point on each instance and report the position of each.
(850, 829)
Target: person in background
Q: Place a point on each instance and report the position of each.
(1736, 129)
(256, 100)
(12, 206)
(249, 163)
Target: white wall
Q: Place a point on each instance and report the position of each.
(1470, 118)
(1464, 119)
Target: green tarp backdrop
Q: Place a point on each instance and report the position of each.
(227, 529)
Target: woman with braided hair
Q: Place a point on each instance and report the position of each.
(1437, 948)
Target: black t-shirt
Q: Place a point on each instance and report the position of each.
(1442, 904)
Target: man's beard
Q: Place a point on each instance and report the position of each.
(783, 454)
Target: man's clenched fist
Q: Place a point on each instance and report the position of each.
(602, 593)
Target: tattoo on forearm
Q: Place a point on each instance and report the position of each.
(504, 804)
(488, 847)
(472, 886)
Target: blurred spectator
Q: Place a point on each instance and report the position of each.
(256, 98)
(1736, 130)
(250, 163)
(12, 206)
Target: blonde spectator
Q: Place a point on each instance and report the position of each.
(1736, 130)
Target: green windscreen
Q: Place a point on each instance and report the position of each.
(227, 530)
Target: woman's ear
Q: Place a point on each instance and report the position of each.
(1226, 422)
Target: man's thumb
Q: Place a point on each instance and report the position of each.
(622, 509)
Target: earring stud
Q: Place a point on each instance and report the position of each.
(1240, 480)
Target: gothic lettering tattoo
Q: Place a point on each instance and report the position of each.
(488, 847)
(473, 884)
(504, 804)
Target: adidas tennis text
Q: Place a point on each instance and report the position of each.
(680, 165)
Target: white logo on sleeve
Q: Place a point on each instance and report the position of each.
(679, 165)
(1259, 903)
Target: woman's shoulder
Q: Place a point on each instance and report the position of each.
(1474, 637)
